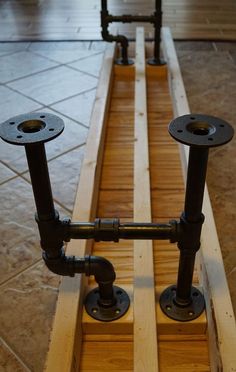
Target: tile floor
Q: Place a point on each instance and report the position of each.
(209, 72)
(61, 78)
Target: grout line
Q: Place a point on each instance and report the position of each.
(215, 46)
(74, 95)
(59, 64)
(24, 95)
(53, 103)
(67, 209)
(12, 169)
(56, 157)
(9, 179)
(63, 63)
(66, 116)
(13, 352)
(23, 172)
(230, 56)
(22, 271)
(83, 72)
(32, 74)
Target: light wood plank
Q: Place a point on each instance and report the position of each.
(145, 335)
(220, 315)
(66, 334)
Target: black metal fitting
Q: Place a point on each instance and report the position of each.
(52, 234)
(104, 229)
(155, 19)
(189, 233)
(106, 302)
(185, 302)
(64, 265)
(31, 131)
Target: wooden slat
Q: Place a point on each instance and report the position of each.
(66, 334)
(145, 335)
(220, 315)
(179, 356)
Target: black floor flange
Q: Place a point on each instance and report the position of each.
(202, 131)
(33, 128)
(156, 62)
(107, 314)
(119, 61)
(182, 313)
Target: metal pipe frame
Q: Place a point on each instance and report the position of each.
(181, 302)
(155, 19)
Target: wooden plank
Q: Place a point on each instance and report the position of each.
(66, 334)
(145, 335)
(125, 325)
(184, 356)
(181, 356)
(220, 315)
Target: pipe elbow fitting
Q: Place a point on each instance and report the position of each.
(119, 38)
(101, 268)
(64, 265)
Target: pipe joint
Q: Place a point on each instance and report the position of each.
(101, 268)
(106, 229)
(53, 232)
(64, 265)
(189, 234)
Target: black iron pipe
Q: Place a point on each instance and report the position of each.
(118, 39)
(191, 222)
(113, 230)
(155, 19)
(146, 231)
(38, 169)
(128, 18)
(104, 5)
(157, 31)
(104, 275)
(196, 177)
(101, 268)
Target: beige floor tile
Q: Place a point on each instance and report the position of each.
(8, 361)
(73, 136)
(194, 46)
(78, 108)
(13, 156)
(63, 52)
(19, 237)
(27, 308)
(13, 103)
(64, 174)
(203, 71)
(20, 64)
(19, 234)
(209, 79)
(5, 173)
(91, 65)
(57, 84)
(8, 48)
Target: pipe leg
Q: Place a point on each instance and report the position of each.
(184, 302)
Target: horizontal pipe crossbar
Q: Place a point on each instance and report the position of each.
(113, 230)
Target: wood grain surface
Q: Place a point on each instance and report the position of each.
(80, 20)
